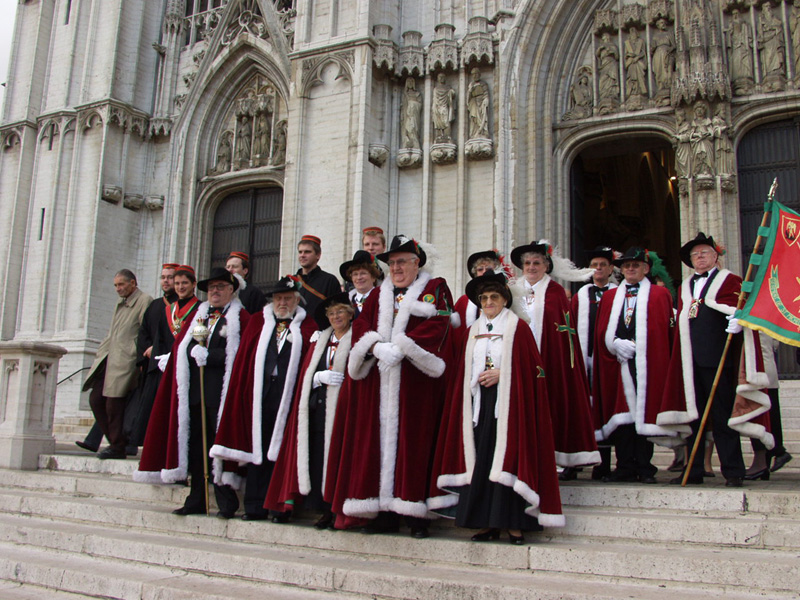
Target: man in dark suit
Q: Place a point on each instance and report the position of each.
(705, 310)
(261, 391)
(316, 283)
(178, 403)
(252, 298)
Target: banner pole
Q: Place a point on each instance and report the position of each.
(742, 296)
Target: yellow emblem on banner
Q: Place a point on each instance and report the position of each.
(428, 298)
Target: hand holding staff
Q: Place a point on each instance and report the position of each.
(200, 334)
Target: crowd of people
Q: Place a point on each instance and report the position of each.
(384, 402)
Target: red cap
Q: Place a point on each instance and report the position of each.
(311, 238)
(371, 230)
(170, 266)
(186, 268)
(240, 255)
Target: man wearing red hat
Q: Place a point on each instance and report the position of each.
(316, 283)
(250, 296)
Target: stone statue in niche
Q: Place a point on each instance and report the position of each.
(723, 148)
(244, 138)
(683, 131)
(224, 154)
(263, 126)
(794, 25)
(702, 138)
(580, 96)
(772, 49)
(443, 111)
(410, 112)
(635, 70)
(478, 106)
(607, 55)
(279, 143)
(663, 49)
(740, 52)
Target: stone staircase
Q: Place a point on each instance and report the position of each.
(81, 528)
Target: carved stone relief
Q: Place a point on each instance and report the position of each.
(607, 55)
(410, 151)
(112, 194)
(580, 95)
(771, 49)
(412, 55)
(635, 71)
(662, 48)
(443, 51)
(133, 201)
(740, 54)
(479, 146)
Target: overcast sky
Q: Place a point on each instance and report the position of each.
(8, 9)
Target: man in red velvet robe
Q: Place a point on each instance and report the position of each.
(386, 430)
(261, 391)
(633, 342)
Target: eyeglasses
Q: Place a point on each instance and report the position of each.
(401, 262)
(493, 297)
(533, 263)
(701, 253)
(218, 287)
(337, 312)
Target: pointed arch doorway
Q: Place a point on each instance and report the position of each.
(623, 194)
(250, 221)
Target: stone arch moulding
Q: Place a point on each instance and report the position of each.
(753, 114)
(11, 139)
(210, 198)
(313, 68)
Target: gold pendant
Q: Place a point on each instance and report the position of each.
(694, 308)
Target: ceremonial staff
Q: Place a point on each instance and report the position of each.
(200, 334)
(742, 295)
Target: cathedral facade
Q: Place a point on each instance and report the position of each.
(141, 131)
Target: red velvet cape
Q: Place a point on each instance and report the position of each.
(524, 458)
(617, 399)
(385, 430)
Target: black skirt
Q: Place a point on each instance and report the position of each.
(316, 448)
(484, 503)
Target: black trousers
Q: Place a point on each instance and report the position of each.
(227, 502)
(259, 476)
(634, 452)
(726, 440)
(110, 415)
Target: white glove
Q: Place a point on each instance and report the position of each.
(328, 378)
(162, 361)
(200, 355)
(625, 349)
(388, 354)
(733, 325)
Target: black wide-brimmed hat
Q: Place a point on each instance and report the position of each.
(287, 283)
(401, 243)
(542, 248)
(218, 274)
(634, 253)
(361, 257)
(701, 239)
(319, 313)
(600, 252)
(487, 255)
(474, 286)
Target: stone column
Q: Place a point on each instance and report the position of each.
(28, 373)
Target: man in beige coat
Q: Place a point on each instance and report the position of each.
(113, 374)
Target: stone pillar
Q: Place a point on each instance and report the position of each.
(28, 373)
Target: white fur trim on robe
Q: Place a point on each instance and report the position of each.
(182, 381)
(391, 328)
(496, 473)
(753, 388)
(331, 399)
(635, 393)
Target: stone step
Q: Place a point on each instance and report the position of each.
(11, 590)
(101, 561)
(87, 421)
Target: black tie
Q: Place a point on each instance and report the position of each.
(697, 276)
(398, 291)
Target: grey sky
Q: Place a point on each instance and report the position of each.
(8, 10)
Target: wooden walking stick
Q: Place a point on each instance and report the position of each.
(200, 334)
(742, 296)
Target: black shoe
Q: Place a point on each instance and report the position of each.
(599, 472)
(110, 453)
(516, 540)
(708, 474)
(568, 474)
(762, 474)
(86, 446)
(255, 516)
(615, 477)
(779, 462)
(691, 481)
(377, 527)
(420, 533)
(677, 465)
(733, 482)
(184, 510)
(324, 522)
(131, 450)
(283, 517)
(225, 515)
(485, 536)
(647, 479)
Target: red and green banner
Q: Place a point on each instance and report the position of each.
(773, 304)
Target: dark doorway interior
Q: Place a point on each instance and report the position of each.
(250, 221)
(624, 194)
(765, 152)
